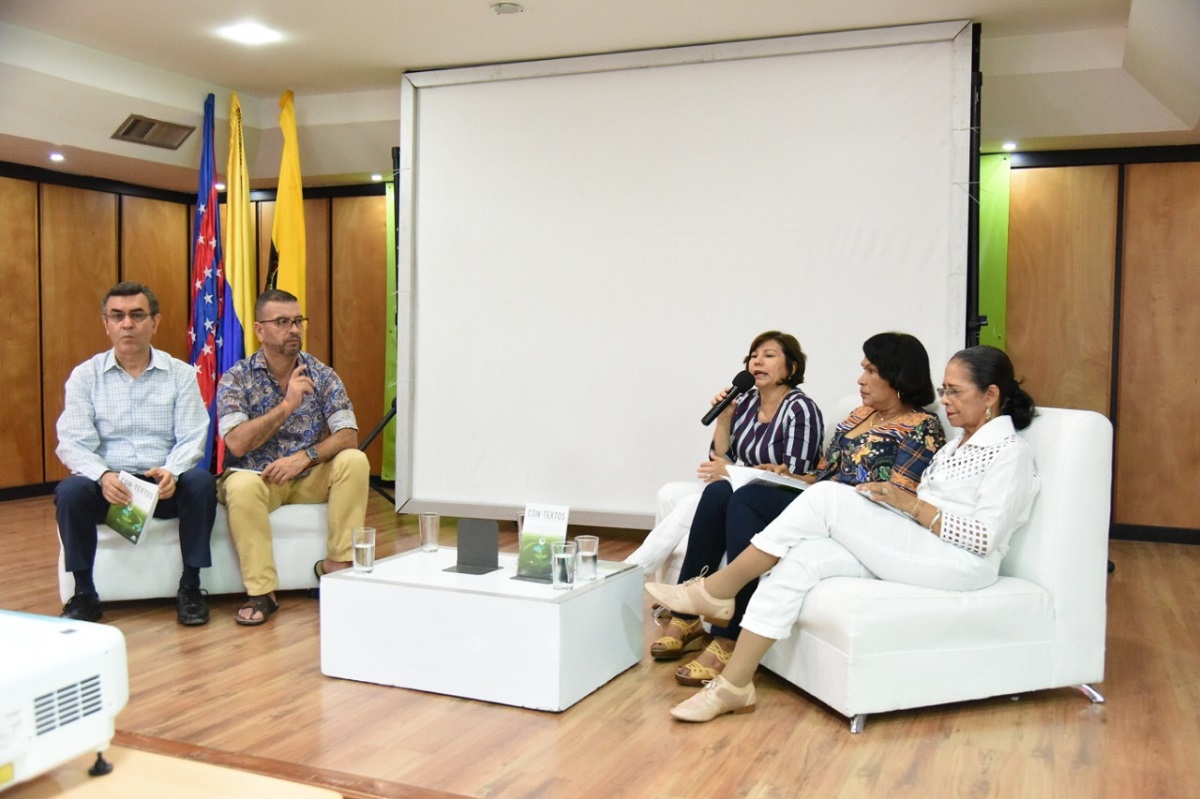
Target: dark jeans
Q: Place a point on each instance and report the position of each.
(724, 523)
(80, 506)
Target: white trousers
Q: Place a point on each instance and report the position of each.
(832, 531)
(676, 508)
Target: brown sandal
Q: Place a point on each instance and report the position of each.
(684, 635)
(262, 604)
(695, 673)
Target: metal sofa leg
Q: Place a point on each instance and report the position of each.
(1091, 693)
(858, 722)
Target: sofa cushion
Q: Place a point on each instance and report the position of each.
(152, 568)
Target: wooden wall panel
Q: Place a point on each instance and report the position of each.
(359, 316)
(1158, 427)
(78, 240)
(316, 233)
(21, 426)
(1061, 256)
(155, 244)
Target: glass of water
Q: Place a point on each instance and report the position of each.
(588, 550)
(363, 540)
(562, 564)
(430, 525)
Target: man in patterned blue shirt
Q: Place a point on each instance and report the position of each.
(138, 410)
(290, 438)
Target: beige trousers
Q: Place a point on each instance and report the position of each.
(342, 481)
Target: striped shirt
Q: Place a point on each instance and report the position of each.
(114, 422)
(792, 437)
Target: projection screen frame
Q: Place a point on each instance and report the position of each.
(958, 33)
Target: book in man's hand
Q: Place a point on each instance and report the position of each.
(133, 520)
(745, 475)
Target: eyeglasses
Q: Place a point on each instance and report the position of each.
(285, 323)
(951, 392)
(117, 317)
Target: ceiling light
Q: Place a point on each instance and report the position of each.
(507, 8)
(377, 177)
(219, 186)
(1009, 146)
(250, 33)
(57, 157)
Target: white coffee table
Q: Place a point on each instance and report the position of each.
(411, 624)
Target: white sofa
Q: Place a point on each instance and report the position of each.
(869, 646)
(152, 568)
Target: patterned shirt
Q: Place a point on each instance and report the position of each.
(984, 488)
(113, 422)
(895, 452)
(249, 390)
(791, 438)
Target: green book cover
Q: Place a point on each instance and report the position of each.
(534, 558)
(544, 525)
(131, 521)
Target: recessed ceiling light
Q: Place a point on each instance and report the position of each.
(377, 177)
(57, 157)
(507, 8)
(219, 186)
(250, 33)
(1009, 146)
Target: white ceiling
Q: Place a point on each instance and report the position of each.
(1058, 74)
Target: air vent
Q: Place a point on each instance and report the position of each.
(154, 132)
(66, 705)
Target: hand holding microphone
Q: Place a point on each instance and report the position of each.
(742, 382)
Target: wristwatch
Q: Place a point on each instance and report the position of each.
(312, 454)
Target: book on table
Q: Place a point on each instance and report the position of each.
(133, 520)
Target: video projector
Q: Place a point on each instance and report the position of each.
(62, 683)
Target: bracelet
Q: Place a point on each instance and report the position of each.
(916, 509)
(934, 520)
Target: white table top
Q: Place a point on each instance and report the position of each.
(426, 569)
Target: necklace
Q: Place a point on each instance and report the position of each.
(885, 419)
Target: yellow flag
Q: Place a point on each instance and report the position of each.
(239, 232)
(287, 270)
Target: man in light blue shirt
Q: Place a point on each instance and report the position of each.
(138, 410)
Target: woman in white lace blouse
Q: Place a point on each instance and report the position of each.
(976, 492)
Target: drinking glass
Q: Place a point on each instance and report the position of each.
(363, 541)
(430, 524)
(562, 564)
(588, 549)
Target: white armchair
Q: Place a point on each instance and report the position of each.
(866, 646)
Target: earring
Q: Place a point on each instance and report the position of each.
(988, 415)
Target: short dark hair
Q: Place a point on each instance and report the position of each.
(902, 361)
(991, 366)
(793, 355)
(272, 295)
(130, 288)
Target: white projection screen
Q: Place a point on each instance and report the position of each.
(587, 247)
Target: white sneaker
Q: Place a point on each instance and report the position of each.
(718, 697)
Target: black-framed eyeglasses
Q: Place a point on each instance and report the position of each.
(285, 323)
(117, 317)
(951, 392)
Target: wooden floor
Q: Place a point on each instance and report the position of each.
(254, 698)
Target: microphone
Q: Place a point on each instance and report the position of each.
(742, 382)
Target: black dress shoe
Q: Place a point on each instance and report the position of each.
(191, 607)
(82, 607)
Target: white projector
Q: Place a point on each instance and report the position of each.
(62, 683)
